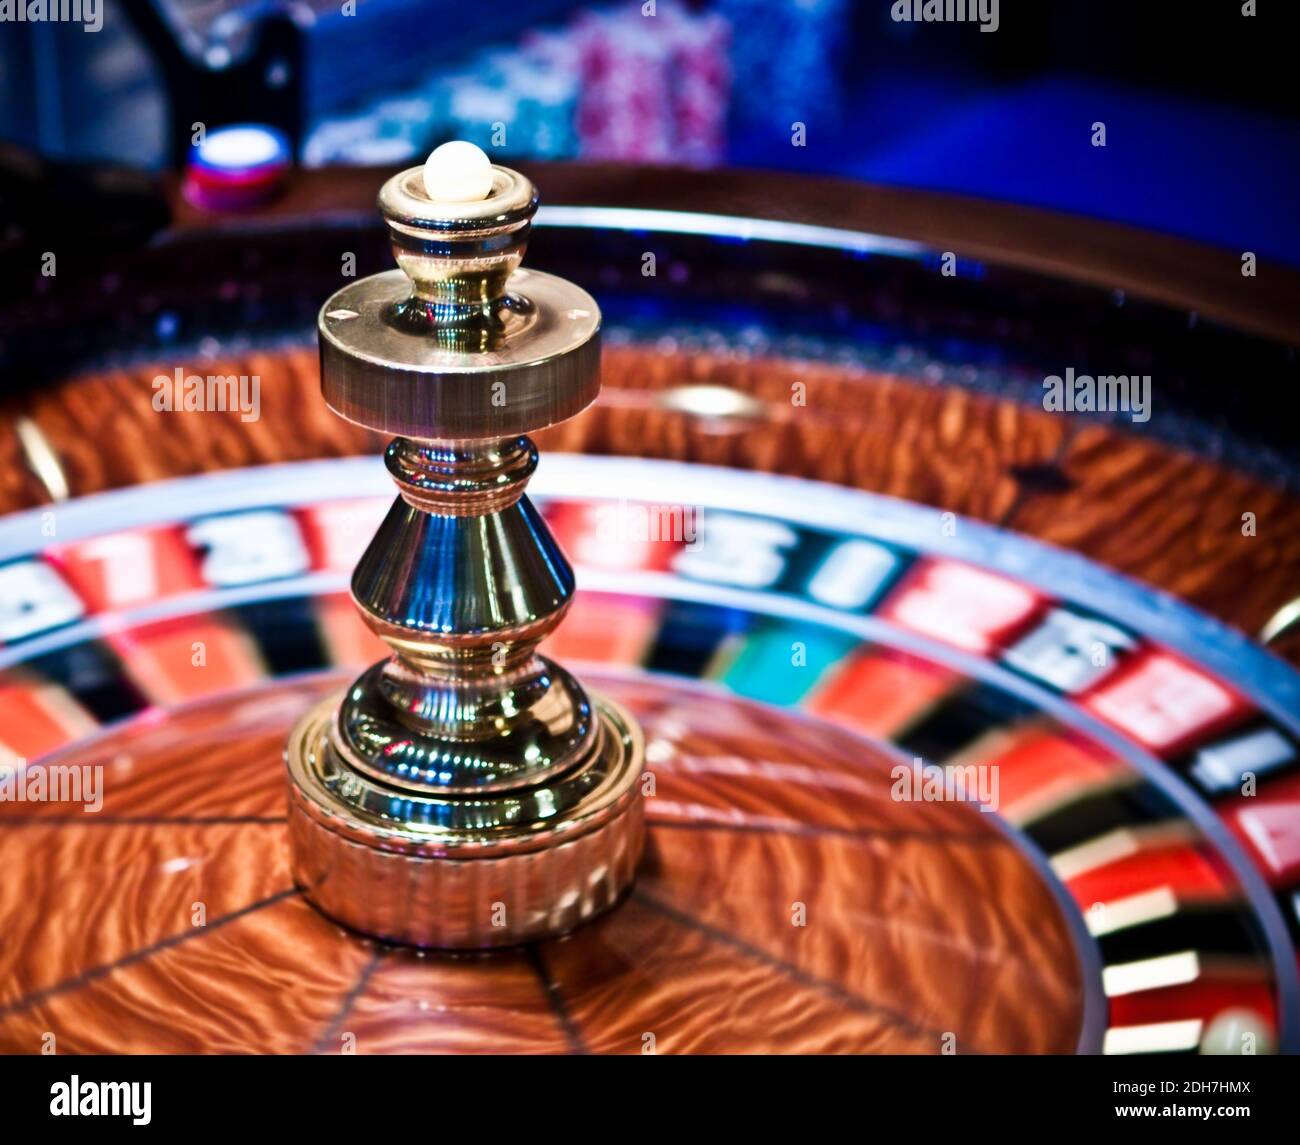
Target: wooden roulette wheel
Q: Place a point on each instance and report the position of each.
(954, 740)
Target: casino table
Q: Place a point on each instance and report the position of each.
(827, 540)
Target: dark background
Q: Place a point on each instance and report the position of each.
(1199, 102)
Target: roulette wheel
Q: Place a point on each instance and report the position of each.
(898, 713)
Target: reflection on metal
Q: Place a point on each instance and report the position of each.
(41, 459)
(1281, 622)
(466, 792)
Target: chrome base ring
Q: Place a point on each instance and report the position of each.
(457, 873)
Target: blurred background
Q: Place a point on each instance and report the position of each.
(1199, 143)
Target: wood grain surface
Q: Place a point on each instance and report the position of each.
(787, 904)
(1163, 516)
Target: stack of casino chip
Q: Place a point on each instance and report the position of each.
(625, 110)
(237, 167)
(516, 102)
(613, 85)
(701, 87)
(547, 80)
(470, 105)
(654, 88)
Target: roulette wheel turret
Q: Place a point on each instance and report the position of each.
(466, 792)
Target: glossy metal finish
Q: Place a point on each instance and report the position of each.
(541, 349)
(535, 721)
(522, 864)
(466, 792)
(459, 343)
